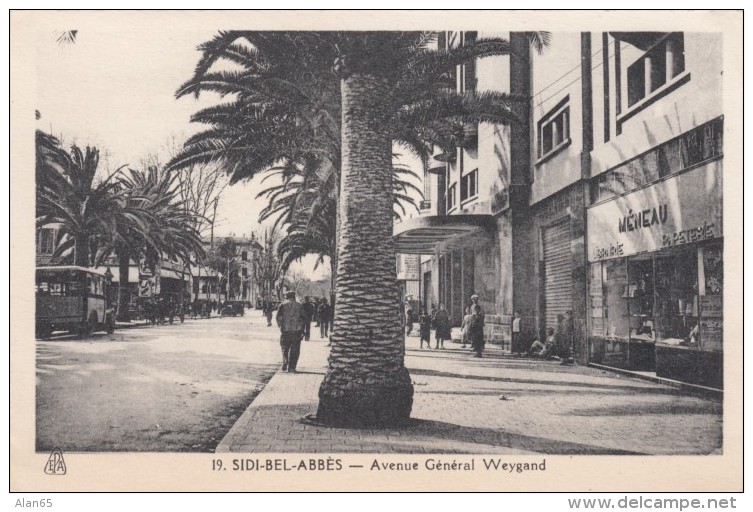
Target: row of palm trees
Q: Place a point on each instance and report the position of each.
(133, 214)
(325, 110)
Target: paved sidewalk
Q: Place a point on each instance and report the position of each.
(497, 404)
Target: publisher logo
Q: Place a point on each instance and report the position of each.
(55, 464)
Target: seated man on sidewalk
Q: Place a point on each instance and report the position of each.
(544, 350)
(291, 318)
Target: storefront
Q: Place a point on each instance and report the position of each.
(656, 278)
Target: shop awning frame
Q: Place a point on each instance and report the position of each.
(421, 235)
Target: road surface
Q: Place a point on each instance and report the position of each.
(161, 388)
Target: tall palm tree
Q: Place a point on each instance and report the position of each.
(387, 80)
(387, 87)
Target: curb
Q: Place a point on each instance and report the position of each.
(695, 389)
(133, 325)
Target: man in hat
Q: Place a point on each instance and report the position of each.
(291, 319)
(474, 303)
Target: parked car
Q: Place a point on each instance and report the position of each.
(233, 308)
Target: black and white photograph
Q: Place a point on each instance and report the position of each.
(461, 251)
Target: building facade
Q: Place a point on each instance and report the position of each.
(247, 250)
(603, 199)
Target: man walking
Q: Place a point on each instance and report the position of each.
(324, 317)
(291, 319)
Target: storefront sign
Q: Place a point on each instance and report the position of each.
(680, 210)
(408, 267)
(711, 306)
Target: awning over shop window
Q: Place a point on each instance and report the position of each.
(421, 234)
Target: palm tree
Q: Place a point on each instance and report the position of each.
(68, 194)
(387, 88)
(162, 226)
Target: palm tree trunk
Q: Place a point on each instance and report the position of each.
(367, 383)
(81, 250)
(124, 263)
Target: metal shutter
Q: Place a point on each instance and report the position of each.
(558, 265)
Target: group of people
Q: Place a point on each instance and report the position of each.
(438, 319)
(559, 341)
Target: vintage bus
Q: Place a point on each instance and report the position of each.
(73, 299)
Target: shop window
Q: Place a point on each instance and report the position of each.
(554, 129)
(710, 297)
(597, 301)
(639, 293)
(469, 186)
(656, 67)
(616, 319)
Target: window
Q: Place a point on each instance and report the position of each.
(46, 241)
(244, 256)
(244, 271)
(452, 196)
(464, 75)
(469, 185)
(689, 149)
(554, 129)
(663, 62)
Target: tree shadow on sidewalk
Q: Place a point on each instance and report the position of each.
(452, 433)
(642, 388)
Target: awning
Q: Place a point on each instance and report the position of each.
(420, 235)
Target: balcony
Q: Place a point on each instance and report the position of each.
(441, 158)
(469, 138)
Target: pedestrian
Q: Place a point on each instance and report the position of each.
(408, 318)
(324, 314)
(545, 350)
(562, 340)
(465, 327)
(291, 319)
(442, 323)
(476, 330)
(424, 329)
(316, 312)
(268, 309)
(517, 347)
(474, 302)
(308, 309)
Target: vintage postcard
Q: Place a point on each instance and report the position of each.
(376, 250)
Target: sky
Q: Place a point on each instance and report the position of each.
(115, 89)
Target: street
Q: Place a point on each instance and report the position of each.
(194, 387)
(162, 388)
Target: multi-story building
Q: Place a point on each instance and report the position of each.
(603, 199)
(247, 250)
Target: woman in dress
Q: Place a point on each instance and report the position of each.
(442, 323)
